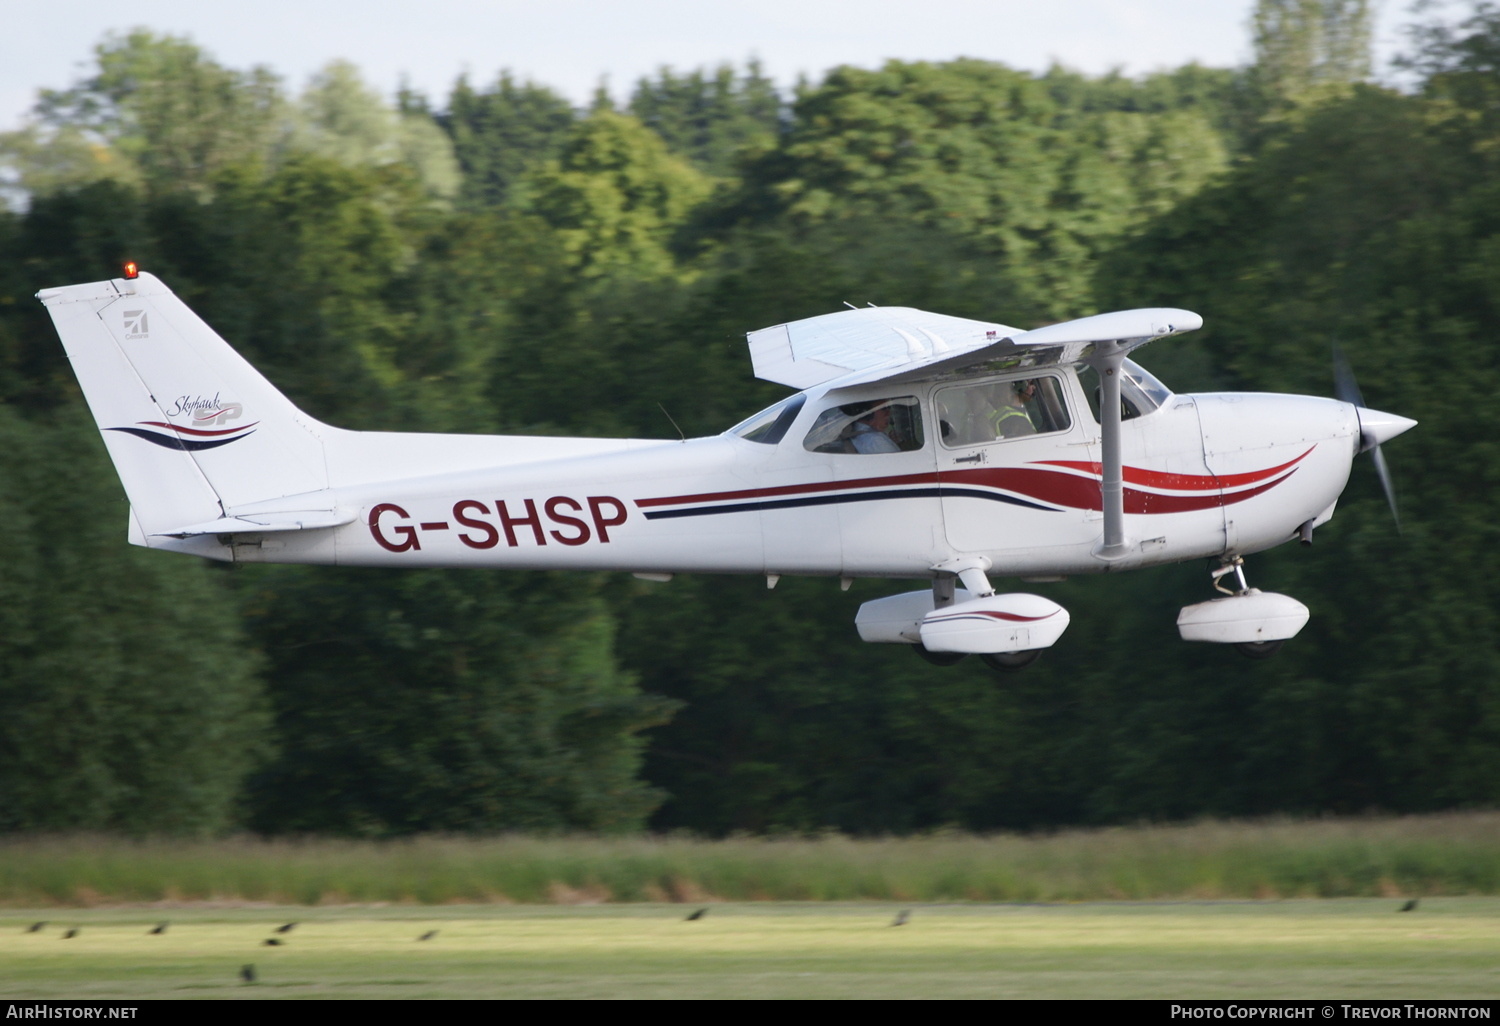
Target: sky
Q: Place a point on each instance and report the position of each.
(571, 44)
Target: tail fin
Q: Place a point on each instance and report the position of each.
(193, 429)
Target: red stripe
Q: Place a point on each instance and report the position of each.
(194, 431)
(1149, 502)
(1179, 482)
(1083, 492)
(958, 614)
(1046, 485)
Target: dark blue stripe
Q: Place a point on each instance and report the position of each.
(828, 500)
(184, 444)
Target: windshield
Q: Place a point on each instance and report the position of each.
(769, 425)
(1140, 391)
(1146, 384)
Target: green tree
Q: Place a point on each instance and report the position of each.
(616, 197)
(71, 236)
(988, 154)
(129, 697)
(157, 110)
(343, 119)
(1368, 222)
(159, 113)
(1304, 48)
(447, 700)
(365, 303)
(710, 118)
(1461, 63)
(41, 162)
(501, 134)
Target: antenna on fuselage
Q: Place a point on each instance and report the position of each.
(663, 409)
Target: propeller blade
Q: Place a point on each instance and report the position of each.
(1345, 388)
(1386, 484)
(1380, 426)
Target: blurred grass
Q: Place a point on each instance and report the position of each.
(1356, 947)
(1448, 854)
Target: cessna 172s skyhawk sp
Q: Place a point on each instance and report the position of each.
(919, 446)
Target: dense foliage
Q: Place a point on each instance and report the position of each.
(452, 270)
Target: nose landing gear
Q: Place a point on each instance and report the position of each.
(1232, 565)
(1255, 622)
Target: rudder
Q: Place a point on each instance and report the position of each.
(194, 431)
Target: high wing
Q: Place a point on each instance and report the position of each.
(896, 343)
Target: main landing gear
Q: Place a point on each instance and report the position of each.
(961, 615)
(1010, 662)
(1007, 632)
(937, 658)
(1255, 622)
(1003, 662)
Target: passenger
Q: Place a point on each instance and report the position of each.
(872, 433)
(1010, 419)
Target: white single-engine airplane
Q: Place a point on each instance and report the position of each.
(920, 446)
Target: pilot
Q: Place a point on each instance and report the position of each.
(1010, 419)
(872, 432)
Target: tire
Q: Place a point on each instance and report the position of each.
(1260, 649)
(1009, 662)
(938, 658)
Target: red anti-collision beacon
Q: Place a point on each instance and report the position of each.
(131, 270)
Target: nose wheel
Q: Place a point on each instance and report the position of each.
(1249, 649)
(1256, 623)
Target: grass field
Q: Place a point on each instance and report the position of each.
(1349, 948)
(1448, 855)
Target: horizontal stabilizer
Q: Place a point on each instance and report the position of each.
(261, 523)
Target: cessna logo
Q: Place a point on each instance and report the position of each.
(135, 324)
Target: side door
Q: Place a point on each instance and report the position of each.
(880, 461)
(1015, 458)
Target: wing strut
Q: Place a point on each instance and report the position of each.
(1108, 359)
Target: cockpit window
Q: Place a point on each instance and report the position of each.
(994, 410)
(1155, 393)
(1140, 391)
(868, 427)
(769, 426)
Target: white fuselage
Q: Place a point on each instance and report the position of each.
(1205, 475)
